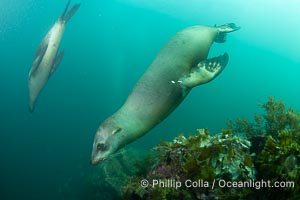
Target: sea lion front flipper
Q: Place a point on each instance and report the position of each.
(205, 71)
(38, 57)
(56, 62)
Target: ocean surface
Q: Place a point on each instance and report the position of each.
(108, 45)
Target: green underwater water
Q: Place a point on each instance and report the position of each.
(108, 45)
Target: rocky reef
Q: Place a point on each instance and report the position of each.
(259, 159)
(194, 163)
(275, 138)
(244, 161)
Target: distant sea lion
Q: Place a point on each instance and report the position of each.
(46, 58)
(179, 66)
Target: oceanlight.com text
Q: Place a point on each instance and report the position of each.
(257, 184)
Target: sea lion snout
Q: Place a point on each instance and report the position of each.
(95, 161)
(99, 148)
(104, 143)
(98, 155)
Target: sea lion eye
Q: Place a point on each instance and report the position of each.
(101, 146)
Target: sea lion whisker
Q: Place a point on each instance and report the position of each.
(119, 153)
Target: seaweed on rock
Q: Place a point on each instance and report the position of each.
(275, 139)
(267, 149)
(200, 159)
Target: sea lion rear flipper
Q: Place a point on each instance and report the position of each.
(223, 30)
(205, 71)
(56, 62)
(66, 16)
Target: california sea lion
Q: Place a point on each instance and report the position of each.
(179, 66)
(46, 58)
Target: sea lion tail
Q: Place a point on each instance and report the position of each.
(223, 30)
(66, 16)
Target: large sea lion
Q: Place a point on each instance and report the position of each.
(46, 58)
(179, 66)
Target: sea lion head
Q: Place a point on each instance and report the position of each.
(105, 143)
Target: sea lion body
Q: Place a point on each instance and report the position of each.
(179, 66)
(155, 94)
(47, 59)
(38, 77)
